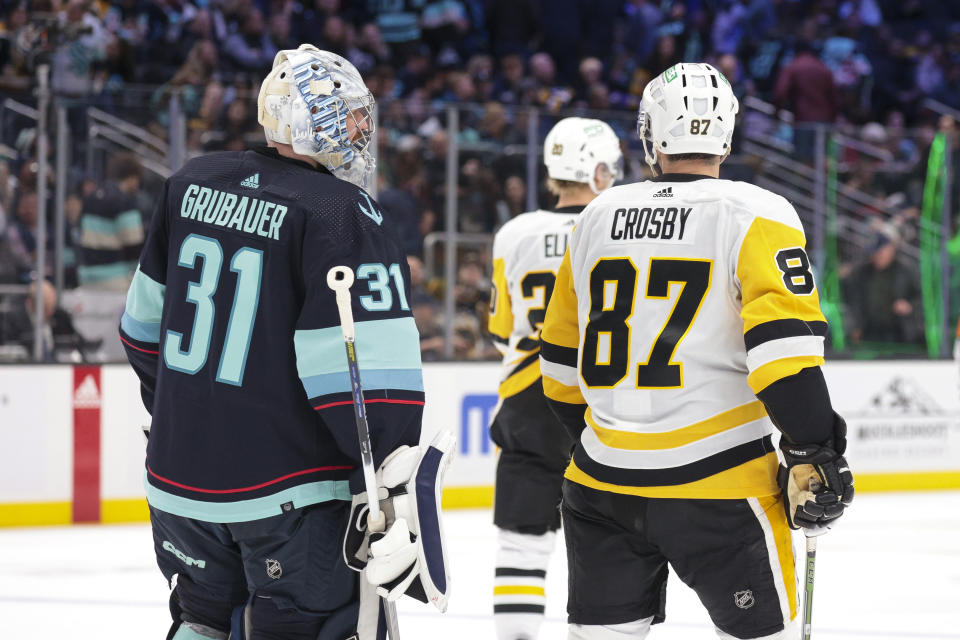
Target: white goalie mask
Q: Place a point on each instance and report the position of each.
(317, 102)
(576, 146)
(689, 108)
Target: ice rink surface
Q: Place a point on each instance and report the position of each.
(890, 570)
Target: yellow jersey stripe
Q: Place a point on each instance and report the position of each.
(500, 323)
(784, 541)
(764, 376)
(519, 590)
(719, 423)
(560, 392)
(757, 477)
(561, 326)
(520, 380)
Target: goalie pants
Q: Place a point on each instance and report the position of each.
(289, 568)
(736, 554)
(534, 452)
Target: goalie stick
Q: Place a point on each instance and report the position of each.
(340, 279)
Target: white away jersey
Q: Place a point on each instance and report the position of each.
(677, 302)
(527, 252)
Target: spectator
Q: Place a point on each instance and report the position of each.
(111, 228)
(279, 35)
(250, 48)
(11, 265)
(189, 82)
(643, 18)
(884, 294)
(514, 200)
(400, 204)
(426, 312)
(336, 35)
(510, 85)
(59, 338)
(665, 55)
(495, 125)
(591, 73)
(806, 87)
(84, 43)
(22, 232)
(546, 92)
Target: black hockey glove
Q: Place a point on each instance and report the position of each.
(816, 481)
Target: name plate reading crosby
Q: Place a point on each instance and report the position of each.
(652, 223)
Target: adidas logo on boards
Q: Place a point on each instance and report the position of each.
(664, 193)
(253, 182)
(87, 395)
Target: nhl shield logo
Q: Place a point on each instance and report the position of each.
(744, 599)
(274, 570)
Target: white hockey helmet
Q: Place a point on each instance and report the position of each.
(689, 108)
(317, 102)
(576, 146)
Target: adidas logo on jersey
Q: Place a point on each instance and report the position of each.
(664, 193)
(253, 182)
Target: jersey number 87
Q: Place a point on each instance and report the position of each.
(611, 321)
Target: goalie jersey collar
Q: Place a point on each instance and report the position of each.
(271, 152)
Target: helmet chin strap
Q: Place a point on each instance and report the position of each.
(594, 186)
(650, 156)
(649, 152)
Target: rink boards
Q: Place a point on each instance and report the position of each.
(71, 449)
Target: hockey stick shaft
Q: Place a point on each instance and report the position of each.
(808, 587)
(340, 279)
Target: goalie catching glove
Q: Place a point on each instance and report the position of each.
(409, 557)
(816, 481)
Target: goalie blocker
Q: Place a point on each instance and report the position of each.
(410, 557)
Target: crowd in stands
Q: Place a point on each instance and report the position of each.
(863, 67)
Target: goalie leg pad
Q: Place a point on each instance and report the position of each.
(636, 630)
(426, 508)
(410, 558)
(360, 620)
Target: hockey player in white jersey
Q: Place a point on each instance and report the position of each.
(684, 326)
(583, 158)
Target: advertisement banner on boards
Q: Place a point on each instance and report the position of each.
(901, 416)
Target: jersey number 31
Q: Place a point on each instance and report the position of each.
(247, 263)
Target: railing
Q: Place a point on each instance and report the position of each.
(832, 211)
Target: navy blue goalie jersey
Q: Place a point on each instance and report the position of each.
(235, 335)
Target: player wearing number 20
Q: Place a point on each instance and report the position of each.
(684, 326)
(253, 457)
(582, 158)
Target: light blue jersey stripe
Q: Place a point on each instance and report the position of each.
(405, 379)
(381, 344)
(186, 633)
(129, 220)
(145, 299)
(102, 272)
(98, 224)
(246, 510)
(142, 331)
